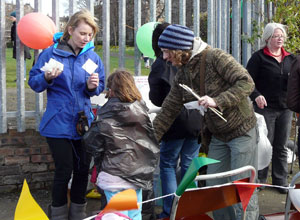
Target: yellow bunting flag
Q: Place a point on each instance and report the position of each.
(27, 208)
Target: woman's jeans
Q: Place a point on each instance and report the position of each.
(170, 152)
(135, 214)
(69, 156)
(278, 122)
(236, 153)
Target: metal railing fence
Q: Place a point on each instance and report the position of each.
(227, 27)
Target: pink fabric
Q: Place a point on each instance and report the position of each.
(101, 214)
(94, 175)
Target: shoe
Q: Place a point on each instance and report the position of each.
(59, 213)
(282, 190)
(77, 211)
(260, 188)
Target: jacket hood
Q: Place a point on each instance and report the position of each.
(123, 110)
(198, 46)
(57, 36)
(56, 39)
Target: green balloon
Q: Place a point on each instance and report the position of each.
(144, 39)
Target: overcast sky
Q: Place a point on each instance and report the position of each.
(46, 6)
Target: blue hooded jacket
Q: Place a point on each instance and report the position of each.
(68, 93)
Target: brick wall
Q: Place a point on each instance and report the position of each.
(24, 155)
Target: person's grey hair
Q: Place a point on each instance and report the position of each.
(269, 31)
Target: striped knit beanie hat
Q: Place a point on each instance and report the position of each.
(176, 37)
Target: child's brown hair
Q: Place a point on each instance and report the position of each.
(122, 85)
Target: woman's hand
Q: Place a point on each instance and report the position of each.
(261, 102)
(207, 101)
(52, 75)
(93, 81)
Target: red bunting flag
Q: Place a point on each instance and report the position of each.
(245, 191)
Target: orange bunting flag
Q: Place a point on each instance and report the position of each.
(245, 191)
(125, 200)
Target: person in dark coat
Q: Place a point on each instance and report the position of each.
(180, 142)
(123, 137)
(13, 36)
(293, 93)
(293, 89)
(270, 68)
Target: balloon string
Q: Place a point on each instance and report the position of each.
(130, 27)
(150, 200)
(216, 186)
(161, 197)
(267, 185)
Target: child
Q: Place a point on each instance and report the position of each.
(124, 139)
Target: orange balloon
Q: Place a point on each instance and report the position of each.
(36, 30)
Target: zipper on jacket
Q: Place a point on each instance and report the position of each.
(74, 94)
(281, 68)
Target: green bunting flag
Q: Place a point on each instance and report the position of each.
(188, 179)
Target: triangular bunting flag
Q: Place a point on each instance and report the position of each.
(125, 200)
(192, 171)
(245, 192)
(27, 208)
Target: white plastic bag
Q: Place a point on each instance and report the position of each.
(113, 216)
(290, 156)
(195, 105)
(264, 145)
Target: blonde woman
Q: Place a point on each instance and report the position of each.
(68, 94)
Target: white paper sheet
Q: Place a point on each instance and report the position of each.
(195, 105)
(90, 66)
(51, 64)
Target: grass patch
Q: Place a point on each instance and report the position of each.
(11, 74)
(129, 60)
(11, 69)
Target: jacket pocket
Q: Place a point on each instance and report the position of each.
(48, 118)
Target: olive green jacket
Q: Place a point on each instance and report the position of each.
(226, 81)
